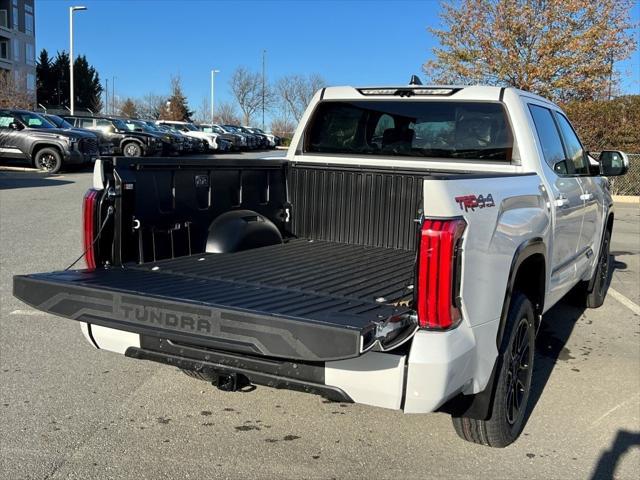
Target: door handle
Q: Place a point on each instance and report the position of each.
(586, 197)
(561, 201)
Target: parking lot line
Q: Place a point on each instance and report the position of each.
(635, 308)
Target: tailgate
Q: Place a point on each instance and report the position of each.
(332, 304)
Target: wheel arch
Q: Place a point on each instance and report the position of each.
(527, 275)
(37, 146)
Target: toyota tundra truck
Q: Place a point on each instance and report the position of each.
(401, 255)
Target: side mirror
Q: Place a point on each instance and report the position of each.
(15, 126)
(560, 168)
(613, 163)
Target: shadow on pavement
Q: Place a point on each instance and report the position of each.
(10, 181)
(555, 331)
(606, 466)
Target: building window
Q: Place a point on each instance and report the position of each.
(4, 49)
(30, 54)
(31, 82)
(15, 18)
(4, 21)
(16, 49)
(28, 23)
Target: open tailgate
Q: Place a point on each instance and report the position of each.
(241, 302)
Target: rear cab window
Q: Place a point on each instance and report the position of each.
(424, 129)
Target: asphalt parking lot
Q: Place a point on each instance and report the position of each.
(69, 411)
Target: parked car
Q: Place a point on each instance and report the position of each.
(170, 143)
(270, 138)
(404, 265)
(191, 130)
(104, 145)
(125, 142)
(30, 137)
(235, 141)
(177, 140)
(250, 139)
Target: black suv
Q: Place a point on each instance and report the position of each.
(104, 145)
(28, 136)
(125, 142)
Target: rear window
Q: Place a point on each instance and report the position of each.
(433, 129)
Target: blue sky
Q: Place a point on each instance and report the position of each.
(143, 43)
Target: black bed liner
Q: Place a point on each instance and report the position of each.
(305, 300)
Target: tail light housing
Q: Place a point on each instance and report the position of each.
(89, 213)
(438, 273)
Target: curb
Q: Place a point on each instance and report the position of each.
(626, 199)
(282, 148)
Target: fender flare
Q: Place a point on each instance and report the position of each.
(479, 405)
(47, 144)
(525, 250)
(132, 139)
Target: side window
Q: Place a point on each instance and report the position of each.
(6, 120)
(575, 152)
(550, 141)
(85, 122)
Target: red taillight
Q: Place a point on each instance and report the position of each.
(89, 227)
(437, 272)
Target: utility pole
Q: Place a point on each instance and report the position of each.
(72, 98)
(106, 98)
(264, 53)
(113, 95)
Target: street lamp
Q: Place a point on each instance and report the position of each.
(71, 10)
(213, 79)
(264, 54)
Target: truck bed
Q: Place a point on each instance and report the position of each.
(307, 300)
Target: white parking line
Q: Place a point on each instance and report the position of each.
(634, 307)
(30, 313)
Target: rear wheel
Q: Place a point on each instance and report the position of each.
(512, 391)
(48, 160)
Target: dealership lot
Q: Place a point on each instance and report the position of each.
(71, 412)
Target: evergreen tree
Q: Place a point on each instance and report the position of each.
(128, 109)
(53, 82)
(176, 107)
(44, 75)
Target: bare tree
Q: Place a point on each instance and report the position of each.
(150, 106)
(247, 89)
(226, 114)
(296, 91)
(283, 126)
(203, 114)
(13, 91)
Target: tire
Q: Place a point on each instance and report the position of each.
(48, 160)
(512, 392)
(132, 149)
(206, 377)
(601, 279)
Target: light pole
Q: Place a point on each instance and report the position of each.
(213, 80)
(72, 94)
(113, 95)
(264, 53)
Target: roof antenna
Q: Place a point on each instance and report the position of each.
(415, 80)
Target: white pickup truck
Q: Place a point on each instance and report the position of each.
(401, 255)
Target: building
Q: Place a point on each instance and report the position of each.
(18, 42)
